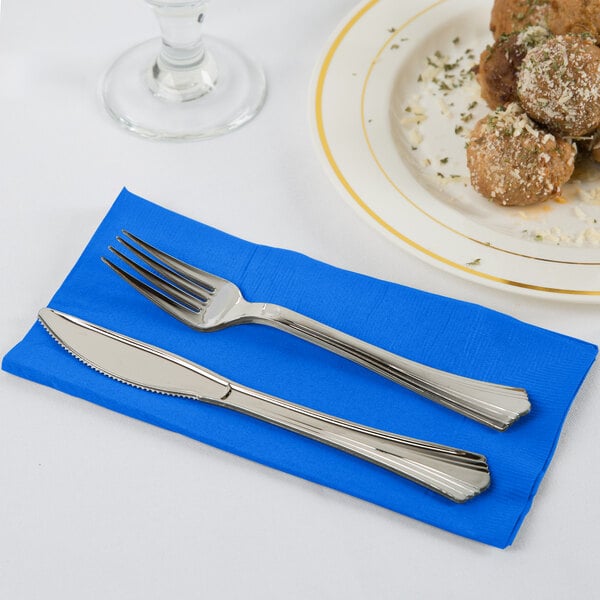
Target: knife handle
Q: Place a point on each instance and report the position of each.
(494, 405)
(456, 474)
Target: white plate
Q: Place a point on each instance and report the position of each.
(410, 180)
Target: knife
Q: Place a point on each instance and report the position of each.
(456, 474)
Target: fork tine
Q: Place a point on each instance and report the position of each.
(207, 280)
(168, 274)
(165, 286)
(171, 307)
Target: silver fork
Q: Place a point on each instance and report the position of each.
(207, 302)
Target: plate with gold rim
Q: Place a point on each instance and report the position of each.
(393, 101)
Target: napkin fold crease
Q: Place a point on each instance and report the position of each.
(444, 333)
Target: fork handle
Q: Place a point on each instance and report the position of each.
(453, 473)
(494, 405)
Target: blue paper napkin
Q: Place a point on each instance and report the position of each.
(447, 334)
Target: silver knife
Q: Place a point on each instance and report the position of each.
(456, 474)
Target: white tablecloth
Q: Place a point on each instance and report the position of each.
(98, 506)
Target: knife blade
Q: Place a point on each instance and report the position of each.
(456, 474)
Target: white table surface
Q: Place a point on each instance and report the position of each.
(94, 505)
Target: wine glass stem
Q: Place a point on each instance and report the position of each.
(184, 70)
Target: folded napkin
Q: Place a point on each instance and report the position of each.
(448, 334)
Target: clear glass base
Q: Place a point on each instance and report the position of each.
(131, 96)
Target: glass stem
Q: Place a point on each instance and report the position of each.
(184, 70)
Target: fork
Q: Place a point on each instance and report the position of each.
(207, 302)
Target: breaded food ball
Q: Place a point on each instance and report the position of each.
(499, 63)
(509, 16)
(513, 162)
(558, 85)
(559, 16)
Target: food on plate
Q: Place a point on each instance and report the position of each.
(500, 62)
(509, 16)
(559, 16)
(542, 77)
(514, 162)
(558, 84)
